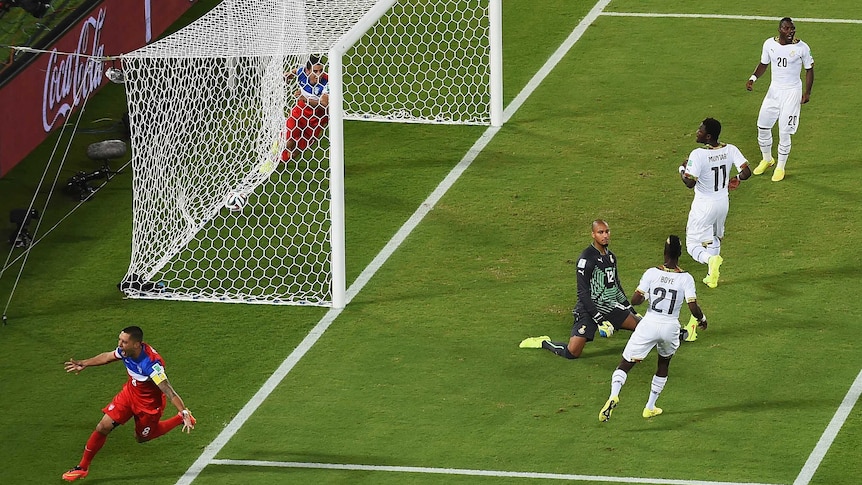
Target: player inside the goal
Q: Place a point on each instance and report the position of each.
(279, 95)
(308, 117)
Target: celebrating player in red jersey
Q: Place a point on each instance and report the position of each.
(309, 116)
(143, 397)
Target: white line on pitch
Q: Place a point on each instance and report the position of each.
(468, 472)
(830, 433)
(728, 17)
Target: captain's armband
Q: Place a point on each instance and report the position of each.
(158, 374)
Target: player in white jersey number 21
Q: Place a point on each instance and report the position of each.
(666, 287)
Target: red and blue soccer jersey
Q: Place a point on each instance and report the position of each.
(306, 121)
(141, 394)
(145, 372)
(312, 91)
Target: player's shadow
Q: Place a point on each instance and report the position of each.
(775, 281)
(829, 191)
(695, 416)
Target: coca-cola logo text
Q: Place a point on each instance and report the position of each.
(70, 78)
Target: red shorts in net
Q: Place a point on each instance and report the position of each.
(305, 124)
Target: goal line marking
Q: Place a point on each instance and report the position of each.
(469, 472)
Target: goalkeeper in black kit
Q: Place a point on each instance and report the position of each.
(602, 303)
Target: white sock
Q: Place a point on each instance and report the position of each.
(714, 249)
(655, 390)
(783, 150)
(764, 139)
(698, 252)
(618, 379)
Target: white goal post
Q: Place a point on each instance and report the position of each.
(238, 188)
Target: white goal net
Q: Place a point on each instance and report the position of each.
(236, 195)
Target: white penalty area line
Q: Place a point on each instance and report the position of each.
(207, 457)
(475, 473)
(835, 425)
(728, 17)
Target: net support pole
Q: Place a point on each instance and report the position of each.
(336, 145)
(495, 32)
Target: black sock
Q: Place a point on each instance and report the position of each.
(558, 348)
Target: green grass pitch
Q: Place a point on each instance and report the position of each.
(421, 372)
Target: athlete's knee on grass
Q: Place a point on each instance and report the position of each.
(576, 346)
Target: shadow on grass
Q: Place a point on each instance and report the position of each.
(694, 416)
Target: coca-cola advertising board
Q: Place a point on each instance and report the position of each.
(42, 97)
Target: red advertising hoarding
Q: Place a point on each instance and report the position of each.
(42, 97)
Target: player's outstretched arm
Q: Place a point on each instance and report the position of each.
(638, 298)
(584, 277)
(77, 366)
(177, 401)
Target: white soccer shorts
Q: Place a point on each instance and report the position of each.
(664, 336)
(705, 220)
(782, 106)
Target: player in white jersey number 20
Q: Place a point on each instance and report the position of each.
(783, 102)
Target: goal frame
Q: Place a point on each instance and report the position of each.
(336, 123)
(183, 246)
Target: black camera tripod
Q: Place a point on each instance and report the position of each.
(104, 151)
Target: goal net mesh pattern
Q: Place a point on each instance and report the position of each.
(208, 107)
